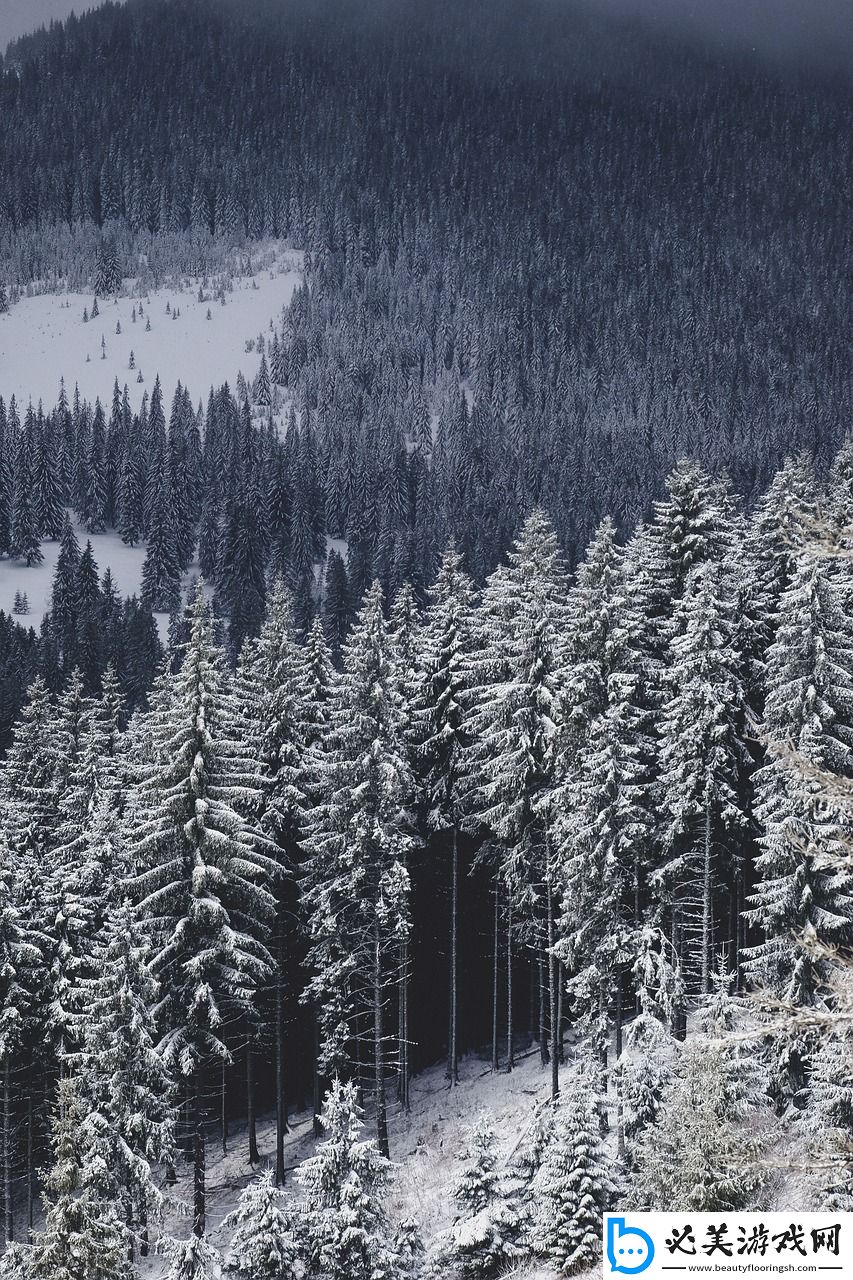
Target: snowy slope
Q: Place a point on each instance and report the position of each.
(44, 338)
(425, 1146)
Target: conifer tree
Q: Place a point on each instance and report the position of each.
(357, 887)
(346, 1232)
(572, 1190)
(440, 731)
(124, 1082)
(702, 752)
(512, 768)
(264, 1245)
(204, 870)
(82, 1238)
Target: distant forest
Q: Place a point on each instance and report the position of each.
(547, 257)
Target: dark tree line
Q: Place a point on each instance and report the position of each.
(621, 252)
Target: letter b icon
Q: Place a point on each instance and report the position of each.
(629, 1250)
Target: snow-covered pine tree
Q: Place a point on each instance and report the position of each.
(439, 729)
(702, 754)
(699, 1156)
(264, 1244)
(82, 1237)
(124, 1083)
(809, 711)
(486, 1238)
(204, 871)
(161, 574)
(829, 1118)
(28, 790)
(356, 888)
(193, 1259)
(573, 1189)
(271, 689)
(808, 715)
(22, 959)
(511, 768)
(601, 832)
(346, 1234)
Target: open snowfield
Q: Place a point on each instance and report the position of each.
(425, 1146)
(44, 338)
(125, 564)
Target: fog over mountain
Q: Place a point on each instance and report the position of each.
(814, 33)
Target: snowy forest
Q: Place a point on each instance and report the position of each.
(485, 709)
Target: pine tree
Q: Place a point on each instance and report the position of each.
(699, 1156)
(572, 1190)
(272, 689)
(346, 1232)
(809, 711)
(193, 1259)
(357, 887)
(441, 736)
(485, 1240)
(124, 1082)
(512, 768)
(264, 1245)
(204, 870)
(161, 574)
(702, 752)
(82, 1238)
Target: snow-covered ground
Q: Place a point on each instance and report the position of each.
(44, 338)
(125, 564)
(425, 1147)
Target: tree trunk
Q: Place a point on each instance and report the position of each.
(543, 1033)
(403, 1029)
(7, 1152)
(251, 1115)
(560, 1029)
(452, 1050)
(223, 1113)
(30, 1196)
(706, 907)
(620, 1117)
(495, 972)
(552, 996)
(378, 1058)
(280, 1103)
(199, 1155)
(510, 1057)
(318, 1098)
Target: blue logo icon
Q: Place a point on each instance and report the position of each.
(629, 1250)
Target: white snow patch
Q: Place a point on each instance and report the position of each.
(44, 338)
(425, 1147)
(125, 563)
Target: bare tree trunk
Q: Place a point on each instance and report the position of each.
(378, 1057)
(495, 972)
(223, 1113)
(7, 1152)
(552, 996)
(543, 1034)
(452, 1049)
(620, 1117)
(560, 1028)
(707, 942)
(199, 1157)
(403, 1029)
(510, 1056)
(251, 1114)
(318, 1100)
(30, 1196)
(280, 1103)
